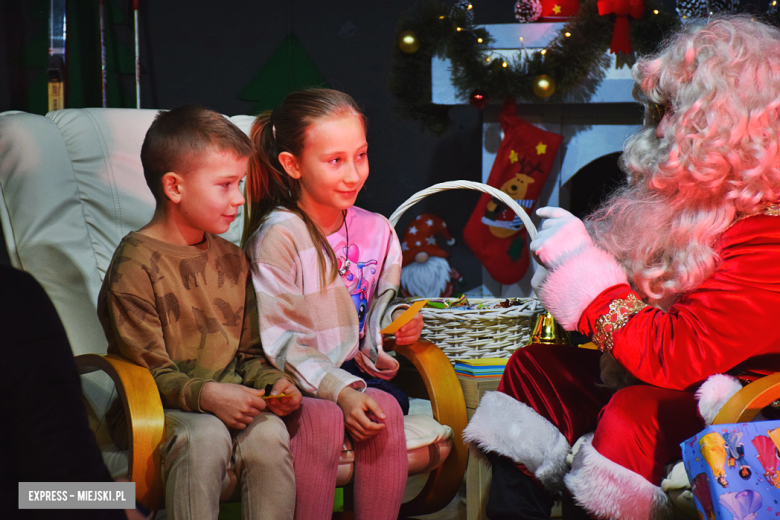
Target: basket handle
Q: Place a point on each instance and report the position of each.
(468, 185)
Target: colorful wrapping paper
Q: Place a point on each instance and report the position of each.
(733, 469)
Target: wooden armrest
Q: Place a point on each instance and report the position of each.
(449, 408)
(145, 420)
(745, 404)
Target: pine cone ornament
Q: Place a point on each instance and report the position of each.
(527, 10)
(692, 8)
(722, 6)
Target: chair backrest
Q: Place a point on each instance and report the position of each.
(72, 187)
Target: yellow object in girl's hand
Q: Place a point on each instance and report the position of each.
(268, 395)
(404, 318)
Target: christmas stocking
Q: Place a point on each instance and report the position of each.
(523, 163)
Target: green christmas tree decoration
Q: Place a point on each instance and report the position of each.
(288, 69)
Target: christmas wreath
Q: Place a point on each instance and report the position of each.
(571, 66)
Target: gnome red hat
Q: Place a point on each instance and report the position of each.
(420, 237)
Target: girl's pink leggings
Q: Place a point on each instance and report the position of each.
(316, 439)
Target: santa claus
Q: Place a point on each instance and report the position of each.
(675, 279)
(426, 271)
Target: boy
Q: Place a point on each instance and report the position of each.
(175, 300)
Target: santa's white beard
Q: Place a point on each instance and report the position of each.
(429, 279)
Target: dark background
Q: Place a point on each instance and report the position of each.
(209, 52)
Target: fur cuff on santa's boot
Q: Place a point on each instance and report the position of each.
(714, 393)
(571, 287)
(610, 491)
(510, 428)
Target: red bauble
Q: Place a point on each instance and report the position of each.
(478, 98)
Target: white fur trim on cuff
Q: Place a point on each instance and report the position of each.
(608, 490)
(510, 428)
(570, 288)
(714, 393)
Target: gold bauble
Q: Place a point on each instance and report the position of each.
(544, 86)
(408, 42)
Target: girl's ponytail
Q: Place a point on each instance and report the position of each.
(267, 185)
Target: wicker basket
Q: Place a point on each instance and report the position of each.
(477, 333)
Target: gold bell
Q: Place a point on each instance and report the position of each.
(547, 331)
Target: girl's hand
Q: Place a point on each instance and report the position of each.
(410, 332)
(284, 405)
(235, 405)
(355, 404)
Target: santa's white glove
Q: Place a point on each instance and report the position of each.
(561, 237)
(540, 274)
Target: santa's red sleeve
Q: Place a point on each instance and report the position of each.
(728, 322)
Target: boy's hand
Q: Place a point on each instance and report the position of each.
(287, 404)
(355, 404)
(410, 332)
(235, 405)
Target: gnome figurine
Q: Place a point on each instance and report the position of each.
(426, 271)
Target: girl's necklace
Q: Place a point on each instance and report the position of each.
(346, 264)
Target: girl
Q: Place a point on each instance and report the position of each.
(325, 273)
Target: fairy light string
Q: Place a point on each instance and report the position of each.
(576, 58)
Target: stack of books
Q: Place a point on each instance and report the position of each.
(480, 368)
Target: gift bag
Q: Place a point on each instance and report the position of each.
(733, 469)
(523, 162)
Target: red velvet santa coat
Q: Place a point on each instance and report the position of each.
(728, 323)
(549, 396)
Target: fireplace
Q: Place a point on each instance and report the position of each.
(593, 132)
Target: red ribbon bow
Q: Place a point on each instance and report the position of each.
(621, 39)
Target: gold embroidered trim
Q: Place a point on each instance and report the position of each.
(619, 313)
(773, 210)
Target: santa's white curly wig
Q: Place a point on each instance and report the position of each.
(718, 157)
